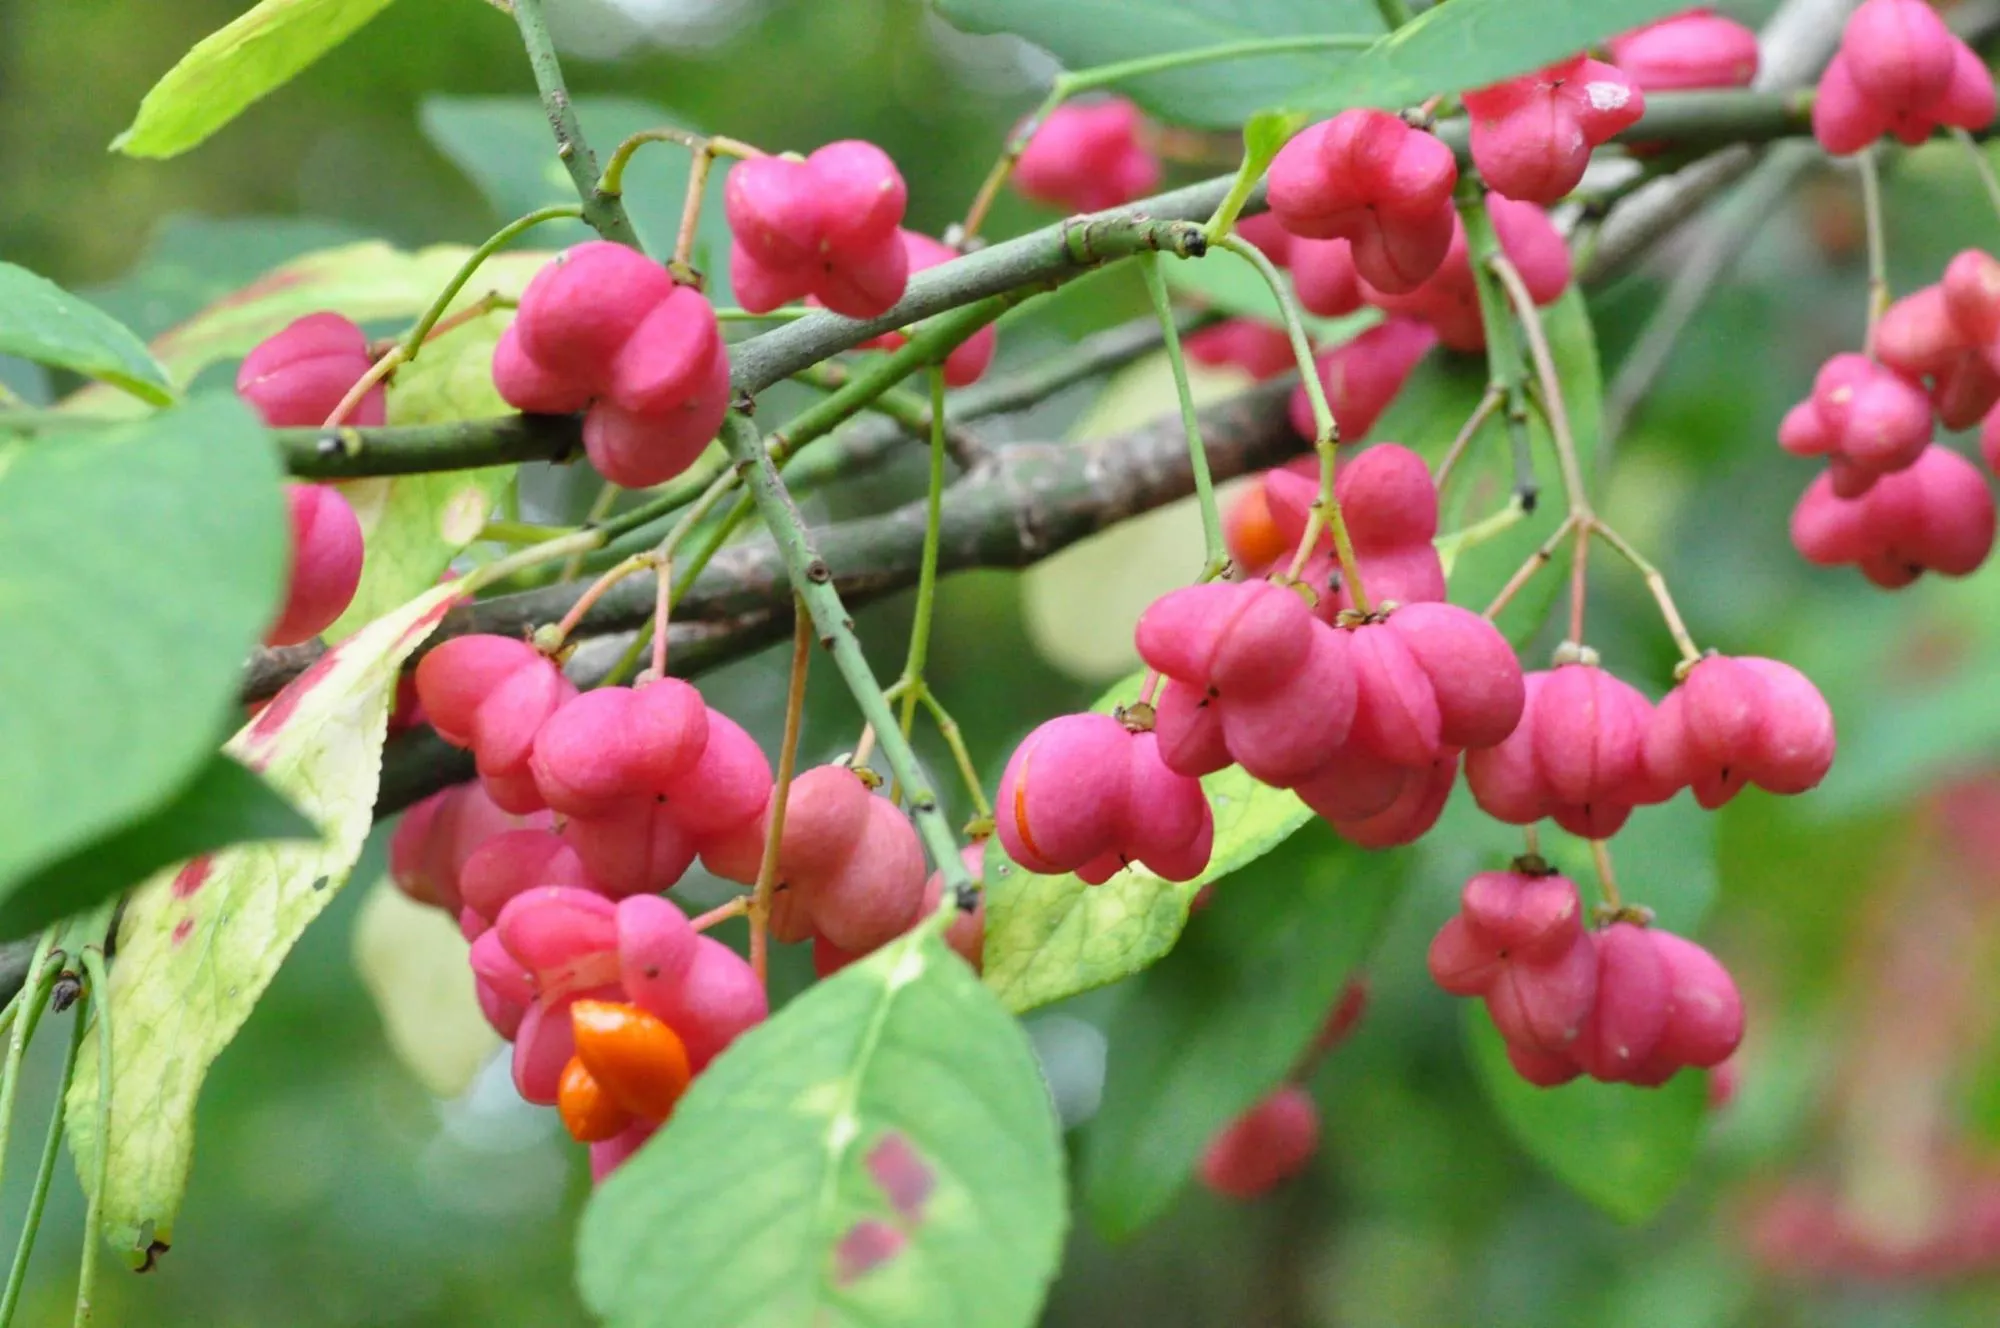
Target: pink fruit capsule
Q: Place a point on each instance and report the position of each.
(638, 450)
(1063, 795)
(1532, 136)
(1188, 726)
(1368, 177)
(1353, 784)
(1587, 730)
(613, 743)
(513, 863)
(1629, 1016)
(1844, 119)
(656, 949)
(825, 227)
(1168, 825)
(1530, 917)
(1413, 813)
(669, 357)
(1545, 1006)
(1324, 278)
(1899, 54)
(971, 358)
(1694, 49)
(1540, 1068)
(566, 939)
(582, 307)
(1737, 721)
(1395, 711)
(637, 848)
(1256, 348)
(1462, 960)
(296, 377)
(874, 893)
(1286, 734)
(326, 557)
(527, 385)
(1087, 157)
(437, 838)
(718, 1000)
(1265, 1146)
(504, 728)
(1473, 672)
(455, 679)
(1705, 1010)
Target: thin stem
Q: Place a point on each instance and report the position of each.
(1878, 245)
(499, 240)
(729, 313)
(600, 507)
(605, 213)
(1489, 403)
(927, 567)
(379, 370)
(38, 1195)
(1450, 546)
(788, 756)
(1325, 515)
(1395, 13)
(1536, 562)
(1216, 556)
(34, 996)
(611, 182)
(1607, 880)
(1552, 401)
(1505, 369)
(595, 591)
(1579, 581)
(954, 742)
(1003, 167)
(1656, 584)
(86, 1278)
(1982, 165)
(663, 607)
(735, 908)
(813, 581)
(521, 532)
(1110, 75)
(697, 187)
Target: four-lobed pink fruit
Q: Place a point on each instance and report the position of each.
(1737, 720)
(1088, 156)
(1449, 300)
(1518, 941)
(605, 330)
(1697, 48)
(1369, 178)
(1899, 71)
(1934, 516)
(970, 359)
(1865, 419)
(827, 226)
(297, 377)
(1532, 136)
(1257, 348)
(492, 694)
(1390, 502)
(1577, 755)
(1085, 794)
(1362, 376)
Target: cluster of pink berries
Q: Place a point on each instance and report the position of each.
(1891, 501)
(297, 378)
(1088, 156)
(605, 330)
(1899, 71)
(827, 226)
(1628, 1003)
(588, 805)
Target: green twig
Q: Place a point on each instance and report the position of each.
(500, 239)
(605, 213)
(1878, 245)
(813, 581)
(93, 1239)
(38, 1196)
(1506, 370)
(1216, 555)
(33, 996)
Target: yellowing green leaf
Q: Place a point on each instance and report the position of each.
(367, 281)
(234, 66)
(416, 524)
(414, 963)
(197, 946)
(1048, 937)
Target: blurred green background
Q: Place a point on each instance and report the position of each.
(331, 1188)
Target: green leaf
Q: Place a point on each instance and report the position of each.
(1472, 43)
(197, 946)
(225, 804)
(1221, 1021)
(41, 321)
(138, 566)
(1048, 937)
(1083, 33)
(1427, 415)
(418, 971)
(191, 261)
(260, 51)
(1665, 856)
(503, 145)
(416, 524)
(893, 1106)
(1625, 1149)
(368, 282)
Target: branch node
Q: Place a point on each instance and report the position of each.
(818, 572)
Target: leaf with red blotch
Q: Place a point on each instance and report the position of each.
(200, 942)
